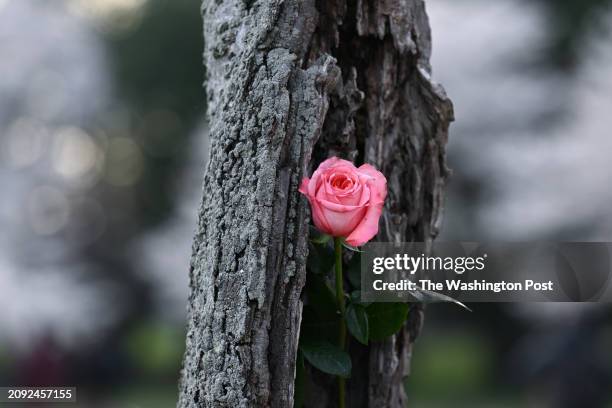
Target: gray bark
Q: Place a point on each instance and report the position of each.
(289, 83)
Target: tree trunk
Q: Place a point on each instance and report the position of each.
(290, 81)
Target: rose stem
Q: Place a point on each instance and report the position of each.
(342, 326)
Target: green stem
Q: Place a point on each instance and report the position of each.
(341, 306)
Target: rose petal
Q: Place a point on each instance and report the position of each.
(342, 223)
(318, 216)
(337, 195)
(304, 186)
(317, 213)
(347, 207)
(325, 165)
(326, 191)
(377, 182)
(354, 198)
(368, 227)
(330, 205)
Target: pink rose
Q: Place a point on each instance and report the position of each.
(346, 201)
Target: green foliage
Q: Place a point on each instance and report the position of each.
(357, 322)
(159, 396)
(314, 327)
(456, 364)
(322, 320)
(321, 298)
(318, 237)
(320, 258)
(155, 348)
(327, 357)
(158, 65)
(158, 73)
(385, 319)
(350, 247)
(353, 271)
(428, 296)
(5, 359)
(572, 24)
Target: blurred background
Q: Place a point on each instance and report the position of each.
(102, 147)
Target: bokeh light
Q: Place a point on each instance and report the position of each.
(75, 155)
(24, 142)
(123, 162)
(48, 210)
(110, 15)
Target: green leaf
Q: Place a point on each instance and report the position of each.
(428, 296)
(317, 236)
(353, 271)
(300, 376)
(357, 322)
(320, 258)
(314, 327)
(320, 239)
(327, 357)
(320, 297)
(385, 319)
(350, 247)
(355, 297)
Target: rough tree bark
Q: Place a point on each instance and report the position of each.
(290, 81)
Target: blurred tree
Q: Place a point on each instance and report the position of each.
(572, 22)
(156, 65)
(352, 77)
(157, 86)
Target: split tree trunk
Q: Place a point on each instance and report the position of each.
(290, 83)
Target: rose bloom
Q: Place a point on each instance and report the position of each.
(346, 201)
